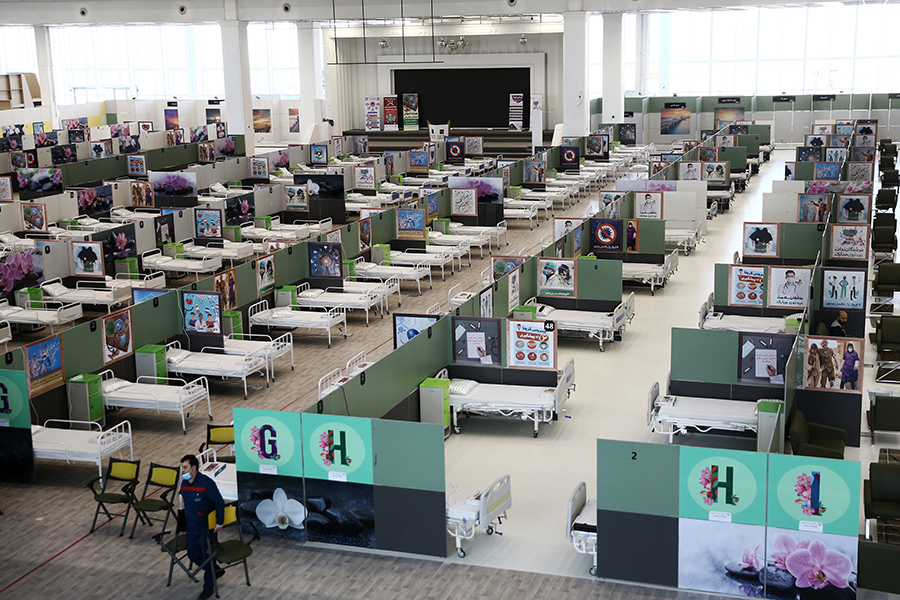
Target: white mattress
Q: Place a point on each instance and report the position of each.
(494, 396)
(456, 495)
(725, 322)
(87, 296)
(687, 408)
(587, 519)
(370, 287)
(455, 240)
(152, 396)
(168, 263)
(348, 299)
(680, 234)
(257, 347)
(643, 269)
(577, 320)
(416, 258)
(75, 444)
(719, 195)
(366, 269)
(231, 250)
(208, 363)
(17, 314)
(283, 316)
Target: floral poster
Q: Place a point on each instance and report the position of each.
(118, 341)
(224, 146)
(95, 201)
(173, 184)
(33, 182)
(721, 558)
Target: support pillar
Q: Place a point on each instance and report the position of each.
(576, 115)
(613, 88)
(238, 101)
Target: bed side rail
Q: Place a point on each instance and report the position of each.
(576, 503)
(496, 500)
(652, 395)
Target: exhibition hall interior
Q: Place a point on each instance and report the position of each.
(449, 299)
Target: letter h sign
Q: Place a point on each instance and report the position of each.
(718, 484)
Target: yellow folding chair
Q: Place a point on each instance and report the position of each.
(118, 471)
(160, 477)
(219, 435)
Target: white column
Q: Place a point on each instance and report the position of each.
(576, 119)
(613, 89)
(238, 101)
(310, 74)
(642, 37)
(45, 72)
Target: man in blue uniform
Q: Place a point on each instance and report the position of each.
(200, 496)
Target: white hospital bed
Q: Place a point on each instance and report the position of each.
(154, 259)
(384, 288)
(458, 239)
(292, 317)
(581, 523)
(156, 393)
(311, 228)
(542, 199)
(86, 292)
(723, 322)
(47, 313)
(121, 214)
(210, 362)
(674, 414)
(249, 231)
(335, 297)
(526, 209)
(469, 506)
(493, 232)
(685, 240)
(92, 445)
(367, 270)
(5, 334)
(224, 249)
(602, 326)
(539, 404)
(654, 275)
(261, 345)
(155, 280)
(415, 257)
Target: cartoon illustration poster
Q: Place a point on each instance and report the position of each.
(265, 274)
(431, 201)
(854, 208)
(365, 234)
(325, 260)
(208, 222)
(87, 259)
(531, 344)
(487, 302)
(761, 239)
(225, 283)
(501, 265)
(118, 341)
(410, 224)
(745, 285)
(850, 242)
(44, 365)
(833, 363)
(202, 312)
(789, 287)
(34, 217)
(843, 288)
(557, 277)
(364, 178)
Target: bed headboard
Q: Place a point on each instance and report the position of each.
(652, 395)
(704, 312)
(496, 500)
(576, 503)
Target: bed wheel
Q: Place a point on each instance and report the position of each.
(535, 434)
(461, 552)
(593, 571)
(652, 293)
(210, 417)
(456, 430)
(184, 432)
(602, 349)
(490, 530)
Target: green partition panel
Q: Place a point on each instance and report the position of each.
(152, 325)
(793, 374)
(528, 279)
(394, 442)
(711, 103)
(650, 470)
(600, 279)
(161, 158)
(501, 297)
(14, 360)
(750, 142)
(763, 131)
(384, 226)
(657, 104)
(245, 275)
(86, 171)
(736, 157)
(83, 348)
(516, 173)
(804, 171)
(633, 105)
(292, 264)
(652, 236)
(720, 283)
(800, 240)
(840, 102)
(703, 355)
(596, 106)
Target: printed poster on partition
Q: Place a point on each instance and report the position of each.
(789, 287)
(487, 302)
(833, 363)
(513, 295)
(118, 341)
(202, 312)
(606, 235)
(760, 239)
(44, 366)
(531, 344)
(516, 111)
(850, 242)
(537, 102)
(745, 285)
(373, 113)
(410, 112)
(557, 277)
(649, 205)
(391, 117)
(226, 284)
(562, 226)
(265, 274)
(843, 288)
(501, 265)
(410, 224)
(365, 233)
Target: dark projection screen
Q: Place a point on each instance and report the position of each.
(465, 97)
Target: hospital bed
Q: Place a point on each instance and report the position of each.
(292, 317)
(5, 334)
(540, 404)
(384, 289)
(524, 209)
(156, 393)
(310, 228)
(251, 232)
(436, 257)
(674, 414)
(357, 365)
(536, 200)
(14, 243)
(602, 326)
(261, 345)
(92, 444)
(462, 240)
(86, 225)
(723, 322)
(48, 313)
(654, 275)
(456, 297)
(581, 524)
(115, 293)
(121, 215)
(154, 259)
(685, 240)
(155, 280)
(367, 270)
(721, 198)
(469, 506)
(211, 361)
(493, 232)
(334, 297)
(224, 249)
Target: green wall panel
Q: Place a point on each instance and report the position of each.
(652, 236)
(701, 355)
(596, 106)
(800, 240)
(710, 103)
(83, 349)
(600, 279)
(384, 227)
(720, 285)
(153, 325)
(409, 455)
(763, 131)
(736, 157)
(649, 471)
(841, 102)
(635, 105)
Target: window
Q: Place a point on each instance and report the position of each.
(17, 50)
(274, 59)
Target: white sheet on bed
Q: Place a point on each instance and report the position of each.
(493, 396)
(209, 363)
(283, 316)
(576, 319)
(349, 299)
(688, 408)
(17, 314)
(80, 445)
(152, 396)
(456, 496)
(367, 269)
(723, 322)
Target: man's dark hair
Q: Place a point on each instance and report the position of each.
(191, 459)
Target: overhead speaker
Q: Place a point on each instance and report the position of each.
(182, 9)
(82, 11)
(286, 7)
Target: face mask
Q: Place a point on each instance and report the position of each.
(186, 476)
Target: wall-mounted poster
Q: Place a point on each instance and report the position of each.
(514, 289)
(789, 287)
(648, 205)
(725, 141)
(208, 223)
(44, 365)
(410, 112)
(501, 265)
(833, 363)
(262, 120)
(265, 274)
(318, 154)
(19, 160)
(745, 285)
(431, 203)
(809, 154)
(198, 134)
(607, 235)
(849, 242)
(293, 120)
(569, 158)
(164, 226)
(259, 167)
(418, 161)
(557, 277)
(689, 171)
(516, 111)
(225, 283)
(657, 166)
(360, 144)
(137, 165)
(206, 152)
(708, 154)
(334, 237)
(597, 146)
(827, 170)
(476, 341)
(632, 235)
(46, 140)
(178, 183)
(531, 344)
(860, 171)
(296, 197)
(6, 189)
(98, 150)
(490, 189)
(142, 194)
(34, 217)
(456, 153)
(815, 140)
(474, 145)
(222, 131)
(535, 171)
(728, 113)
(202, 312)
(143, 127)
(812, 208)
(95, 201)
(790, 171)
(675, 121)
(213, 115)
(63, 154)
(763, 357)
(487, 302)
(365, 234)
(364, 178)
(391, 116)
(464, 202)
(171, 116)
(688, 145)
(627, 133)
(862, 154)
(843, 288)
(562, 226)
(240, 209)
(129, 144)
(854, 208)
(715, 173)
(118, 341)
(410, 224)
(325, 260)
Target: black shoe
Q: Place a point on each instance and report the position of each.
(219, 573)
(205, 595)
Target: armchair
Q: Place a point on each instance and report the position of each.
(814, 439)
